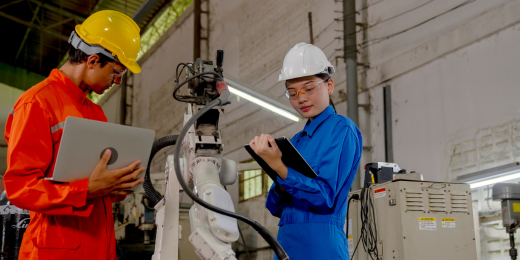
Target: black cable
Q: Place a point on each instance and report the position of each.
(243, 241)
(242, 236)
(368, 234)
(153, 195)
(199, 75)
(280, 252)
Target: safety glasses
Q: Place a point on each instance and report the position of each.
(119, 73)
(307, 90)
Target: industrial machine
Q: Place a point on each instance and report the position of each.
(213, 219)
(509, 195)
(136, 214)
(407, 218)
(14, 222)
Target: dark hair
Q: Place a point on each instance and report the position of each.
(77, 56)
(326, 77)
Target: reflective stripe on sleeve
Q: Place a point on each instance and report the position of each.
(57, 127)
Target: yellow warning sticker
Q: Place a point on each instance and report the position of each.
(426, 219)
(448, 222)
(516, 207)
(349, 237)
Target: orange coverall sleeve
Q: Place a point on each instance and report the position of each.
(30, 153)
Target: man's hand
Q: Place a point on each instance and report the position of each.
(270, 154)
(117, 182)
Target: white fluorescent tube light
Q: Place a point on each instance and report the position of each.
(261, 100)
(263, 104)
(505, 177)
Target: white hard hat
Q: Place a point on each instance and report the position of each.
(304, 60)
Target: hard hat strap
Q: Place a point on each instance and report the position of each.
(89, 49)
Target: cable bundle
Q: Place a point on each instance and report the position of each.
(368, 235)
(203, 76)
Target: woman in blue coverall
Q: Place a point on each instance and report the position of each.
(312, 211)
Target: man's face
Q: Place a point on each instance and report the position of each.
(99, 78)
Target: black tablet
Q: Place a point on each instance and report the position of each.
(290, 157)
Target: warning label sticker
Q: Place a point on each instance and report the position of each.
(380, 193)
(427, 224)
(448, 222)
(350, 239)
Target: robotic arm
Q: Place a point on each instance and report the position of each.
(213, 219)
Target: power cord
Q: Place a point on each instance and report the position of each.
(244, 242)
(368, 225)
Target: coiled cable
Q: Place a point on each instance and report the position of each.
(153, 195)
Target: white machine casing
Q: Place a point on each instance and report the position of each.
(418, 220)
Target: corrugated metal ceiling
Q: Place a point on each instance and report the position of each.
(35, 31)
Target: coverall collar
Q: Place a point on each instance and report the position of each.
(69, 87)
(311, 126)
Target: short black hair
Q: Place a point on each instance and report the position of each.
(77, 56)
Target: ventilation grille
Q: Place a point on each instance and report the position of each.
(414, 201)
(437, 201)
(459, 202)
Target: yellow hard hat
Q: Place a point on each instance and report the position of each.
(115, 32)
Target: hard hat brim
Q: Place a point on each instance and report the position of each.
(134, 68)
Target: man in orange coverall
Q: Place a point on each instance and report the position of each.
(71, 220)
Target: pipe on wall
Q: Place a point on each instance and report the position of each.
(196, 29)
(387, 99)
(350, 52)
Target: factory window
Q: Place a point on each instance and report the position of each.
(253, 183)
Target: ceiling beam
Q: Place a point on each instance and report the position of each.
(11, 3)
(143, 10)
(59, 11)
(59, 23)
(31, 25)
(35, 14)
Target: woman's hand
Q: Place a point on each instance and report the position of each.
(270, 154)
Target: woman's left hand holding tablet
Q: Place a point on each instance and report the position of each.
(265, 146)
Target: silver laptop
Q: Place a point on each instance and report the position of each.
(84, 142)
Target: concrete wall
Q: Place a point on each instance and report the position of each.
(111, 103)
(450, 91)
(451, 66)
(8, 97)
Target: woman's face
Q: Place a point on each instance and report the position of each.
(310, 105)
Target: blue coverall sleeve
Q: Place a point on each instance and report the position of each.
(275, 201)
(334, 168)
